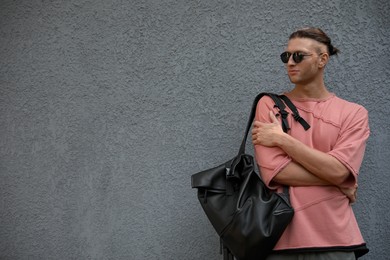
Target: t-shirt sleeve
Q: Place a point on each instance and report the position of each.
(351, 143)
(271, 160)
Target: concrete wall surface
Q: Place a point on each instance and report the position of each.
(108, 107)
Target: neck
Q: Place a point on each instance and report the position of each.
(314, 89)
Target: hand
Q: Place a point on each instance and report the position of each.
(351, 193)
(266, 133)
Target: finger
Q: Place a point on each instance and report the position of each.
(254, 135)
(273, 117)
(256, 123)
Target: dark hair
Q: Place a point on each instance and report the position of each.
(318, 35)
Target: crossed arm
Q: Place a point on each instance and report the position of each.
(308, 166)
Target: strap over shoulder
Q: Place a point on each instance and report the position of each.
(278, 100)
(295, 115)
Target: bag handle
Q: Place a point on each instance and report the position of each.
(280, 105)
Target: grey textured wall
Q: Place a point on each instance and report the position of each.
(108, 107)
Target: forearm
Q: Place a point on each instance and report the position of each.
(296, 175)
(317, 163)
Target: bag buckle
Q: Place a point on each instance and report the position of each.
(228, 172)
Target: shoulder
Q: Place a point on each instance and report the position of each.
(264, 105)
(347, 108)
(266, 102)
(350, 115)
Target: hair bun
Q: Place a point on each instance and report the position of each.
(333, 50)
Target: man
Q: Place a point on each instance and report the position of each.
(321, 164)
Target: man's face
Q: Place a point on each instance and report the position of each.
(309, 69)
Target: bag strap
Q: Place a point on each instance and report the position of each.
(295, 114)
(225, 251)
(278, 103)
(278, 100)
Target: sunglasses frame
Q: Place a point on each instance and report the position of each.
(297, 56)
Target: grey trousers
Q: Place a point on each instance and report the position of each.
(314, 256)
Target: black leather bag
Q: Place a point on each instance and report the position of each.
(248, 217)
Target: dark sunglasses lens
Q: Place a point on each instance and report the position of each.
(298, 57)
(285, 56)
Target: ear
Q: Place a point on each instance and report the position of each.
(324, 58)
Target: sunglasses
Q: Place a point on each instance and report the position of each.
(297, 56)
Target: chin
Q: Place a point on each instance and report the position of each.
(294, 81)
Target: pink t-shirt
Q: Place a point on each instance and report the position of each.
(323, 216)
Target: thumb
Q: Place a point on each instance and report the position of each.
(273, 117)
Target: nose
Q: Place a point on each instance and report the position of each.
(291, 61)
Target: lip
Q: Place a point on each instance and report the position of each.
(293, 72)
